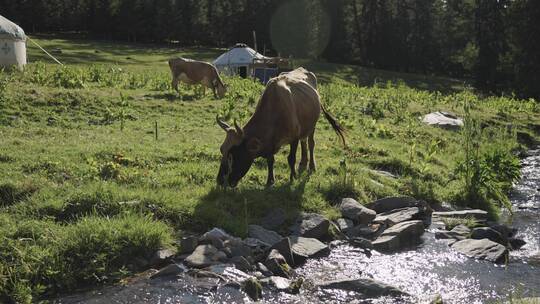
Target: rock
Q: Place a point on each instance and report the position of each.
(516, 244)
(279, 283)
(311, 225)
(392, 203)
(253, 289)
(443, 120)
(483, 249)
(204, 256)
(264, 270)
(371, 231)
(169, 270)
(490, 234)
(303, 248)
(534, 260)
(274, 219)
(188, 244)
(228, 272)
(264, 235)
(399, 236)
(242, 263)
(367, 287)
(206, 274)
(504, 230)
(214, 234)
(478, 214)
(344, 224)
(162, 256)
(393, 217)
(460, 232)
(361, 243)
(285, 249)
(258, 248)
(277, 264)
(354, 211)
(235, 247)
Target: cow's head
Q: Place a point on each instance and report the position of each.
(221, 89)
(238, 154)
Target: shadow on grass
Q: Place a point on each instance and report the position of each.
(173, 97)
(235, 209)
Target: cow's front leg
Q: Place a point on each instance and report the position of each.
(270, 179)
(292, 159)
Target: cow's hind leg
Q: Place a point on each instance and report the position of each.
(270, 180)
(311, 142)
(304, 156)
(292, 159)
(174, 84)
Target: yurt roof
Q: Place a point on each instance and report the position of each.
(240, 54)
(10, 30)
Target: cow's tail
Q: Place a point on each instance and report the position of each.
(340, 131)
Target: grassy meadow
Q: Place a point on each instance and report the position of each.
(89, 190)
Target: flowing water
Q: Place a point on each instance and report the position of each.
(431, 268)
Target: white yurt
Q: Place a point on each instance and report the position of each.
(12, 44)
(238, 61)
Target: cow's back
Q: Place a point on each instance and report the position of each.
(291, 106)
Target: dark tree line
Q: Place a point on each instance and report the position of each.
(496, 42)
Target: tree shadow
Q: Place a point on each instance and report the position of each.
(235, 209)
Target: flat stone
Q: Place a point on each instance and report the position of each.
(483, 249)
(371, 231)
(449, 235)
(462, 230)
(392, 203)
(399, 236)
(490, 234)
(304, 248)
(478, 214)
(354, 211)
(344, 224)
(393, 217)
(367, 287)
(268, 236)
(311, 225)
(504, 230)
(169, 270)
(274, 219)
(204, 256)
(264, 270)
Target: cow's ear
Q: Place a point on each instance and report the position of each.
(254, 145)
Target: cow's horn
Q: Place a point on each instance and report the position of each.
(238, 129)
(222, 124)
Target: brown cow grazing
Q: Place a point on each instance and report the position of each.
(286, 114)
(197, 72)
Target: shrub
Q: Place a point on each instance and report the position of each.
(45, 258)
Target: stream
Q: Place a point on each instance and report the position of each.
(429, 269)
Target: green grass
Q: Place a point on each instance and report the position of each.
(85, 185)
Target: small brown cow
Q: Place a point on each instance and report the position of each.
(197, 72)
(285, 115)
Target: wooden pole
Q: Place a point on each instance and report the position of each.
(255, 40)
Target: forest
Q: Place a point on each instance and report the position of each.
(494, 43)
